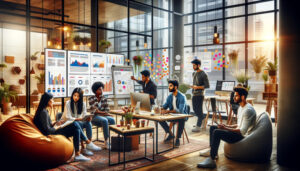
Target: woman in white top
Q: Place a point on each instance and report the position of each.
(75, 109)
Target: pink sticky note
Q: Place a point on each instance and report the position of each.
(214, 58)
(122, 69)
(216, 55)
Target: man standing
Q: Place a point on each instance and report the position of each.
(200, 82)
(230, 133)
(149, 86)
(176, 103)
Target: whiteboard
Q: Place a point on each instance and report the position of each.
(55, 72)
(122, 83)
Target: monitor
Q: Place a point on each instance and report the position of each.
(143, 98)
(223, 85)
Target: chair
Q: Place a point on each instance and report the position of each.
(214, 110)
(184, 131)
(257, 146)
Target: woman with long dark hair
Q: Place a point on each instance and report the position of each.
(76, 109)
(43, 122)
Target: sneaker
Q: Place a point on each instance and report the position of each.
(207, 163)
(107, 145)
(87, 152)
(207, 154)
(196, 129)
(81, 157)
(177, 142)
(93, 147)
(169, 138)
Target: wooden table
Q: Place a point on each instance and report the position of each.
(129, 132)
(156, 118)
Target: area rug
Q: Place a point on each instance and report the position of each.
(99, 161)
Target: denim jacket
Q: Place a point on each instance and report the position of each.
(181, 106)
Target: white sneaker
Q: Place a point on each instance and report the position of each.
(81, 157)
(196, 129)
(107, 145)
(87, 152)
(93, 147)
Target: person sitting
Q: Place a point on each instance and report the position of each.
(43, 122)
(176, 103)
(149, 86)
(230, 133)
(99, 107)
(76, 109)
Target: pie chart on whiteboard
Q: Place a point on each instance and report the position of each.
(80, 82)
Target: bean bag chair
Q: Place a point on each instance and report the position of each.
(257, 146)
(22, 145)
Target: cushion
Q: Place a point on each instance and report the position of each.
(23, 143)
(257, 146)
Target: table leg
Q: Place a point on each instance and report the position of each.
(153, 149)
(109, 148)
(124, 152)
(119, 139)
(156, 130)
(145, 145)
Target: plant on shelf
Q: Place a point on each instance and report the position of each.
(2, 66)
(258, 63)
(272, 69)
(85, 40)
(265, 77)
(6, 96)
(138, 62)
(183, 88)
(41, 82)
(34, 56)
(233, 57)
(77, 40)
(242, 78)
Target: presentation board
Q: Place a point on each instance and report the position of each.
(225, 85)
(122, 83)
(66, 70)
(55, 72)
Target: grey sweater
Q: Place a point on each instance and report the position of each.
(200, 79)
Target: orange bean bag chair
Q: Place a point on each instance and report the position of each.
(24, 146)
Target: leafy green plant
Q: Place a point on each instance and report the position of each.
(34, 56)
(183, 88)
(77, 39)
(272, 66)
(137, 61)
(85, 40)
(104, 44)
(233, 57)
(258, 63)
(40, 78)
(241, 77)
(6, 94)
(265, 77)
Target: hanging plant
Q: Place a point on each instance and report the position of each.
(258, 63)
(137, 61)
(34, 56)
(233, 57)
(16, 70)
(104, 44)
(85, 40)
(77, 40)
(56, 41)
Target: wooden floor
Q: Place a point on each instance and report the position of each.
(189, 161)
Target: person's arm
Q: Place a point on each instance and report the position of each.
(166, 105)
(153, 94)
(46, 122)
(68, 112)
(182, 104)
(236, 130)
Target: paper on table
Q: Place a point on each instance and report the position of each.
(87, 116)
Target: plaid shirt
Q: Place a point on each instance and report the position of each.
(94, 104)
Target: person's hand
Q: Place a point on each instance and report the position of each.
(164, 111)
(132, 77)
(78, 119)
(221, 126)
(193, 87)
(89, 119)
(60, 122)
(151, 96)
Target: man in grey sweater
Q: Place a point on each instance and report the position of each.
(200, 82)
(230, 133)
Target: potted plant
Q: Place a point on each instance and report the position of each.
(85, 40)
(34, 56)
(241, 77)
(233, 57)
(6, 95)
(183, 88)
(77, 40)
(137, 61)
(272, 69)
(41, 82)
(265, 77)
(128, 114)
(257, 64)
(104, 44)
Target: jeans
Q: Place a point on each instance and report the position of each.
(216, 135)
(198, 109)
(88, 128)
(103, 121)
(73, 130)
(166, 127)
